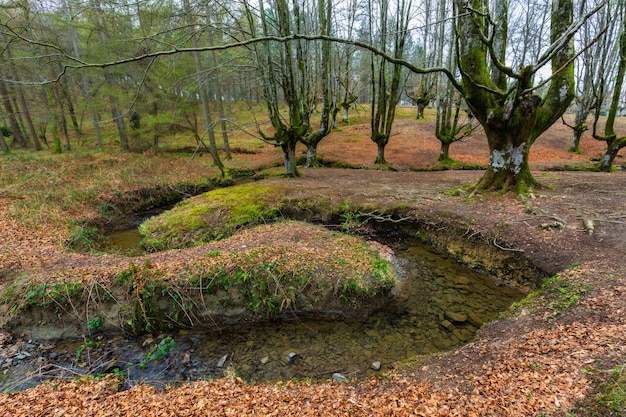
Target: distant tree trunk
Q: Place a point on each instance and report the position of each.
(220, 100)
(83, 79)
(18, 139)
(579, 127)
(204, 100)
(22, 100)
(312, 139)
(3, 144)
(55, 126)
(110, 80)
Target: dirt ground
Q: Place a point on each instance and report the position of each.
(545, 357)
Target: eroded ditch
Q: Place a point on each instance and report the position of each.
(442, 304)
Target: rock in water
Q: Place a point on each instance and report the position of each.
(454, 316)
(289, 358)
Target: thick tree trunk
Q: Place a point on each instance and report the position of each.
(611, 153)
(444, 152)
(289, 153)
(575, 146)
(508, 167)
(420, 110)
(311, 155)
(380, 154)
(344, 118)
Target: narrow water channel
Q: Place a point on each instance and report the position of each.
(441, 307)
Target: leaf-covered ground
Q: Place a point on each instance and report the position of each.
(548, 356)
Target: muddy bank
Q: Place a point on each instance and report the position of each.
(261, 273)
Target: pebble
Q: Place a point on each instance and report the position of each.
(222, 361)
(264, 360)
(375, 365)
(290, 357)
(337, 377)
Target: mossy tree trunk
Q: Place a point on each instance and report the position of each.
(502, 99)
(614, 142)
(289, 76)
(386, 87)
(313, 138)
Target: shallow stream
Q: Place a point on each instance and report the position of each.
(441, 306)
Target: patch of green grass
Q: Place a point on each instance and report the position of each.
(212, 216)
(83, 238)
(614, 395)
(563, 295)
(608, 398)
(559, 293)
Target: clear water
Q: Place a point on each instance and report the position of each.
(440, 307)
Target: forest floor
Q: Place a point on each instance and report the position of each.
(561, 352)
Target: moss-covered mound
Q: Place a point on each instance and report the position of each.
(259, 273)
(212, 216)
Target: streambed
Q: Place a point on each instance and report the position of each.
(441, 306)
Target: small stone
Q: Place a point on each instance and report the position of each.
(447, 325)
(54, 356)
(337, 377)
(264, 360)
(250, 344)
(29, 346)
(474, 319)
(222, 361)
(290, 357)
(20, 356)
(462, 280)
(455, 316)
(375, 365)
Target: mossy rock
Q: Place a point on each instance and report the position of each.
(212, 216)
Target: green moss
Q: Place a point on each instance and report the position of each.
(212, 216)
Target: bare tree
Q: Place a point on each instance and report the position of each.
(592, 66)
(392, 35)
(505, 100)
(614, 142)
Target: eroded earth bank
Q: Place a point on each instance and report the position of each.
(546, 355)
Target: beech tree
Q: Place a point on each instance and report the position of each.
(613, 141)
(386, 77)
(593, 67)
(288, 75)
(505, 100)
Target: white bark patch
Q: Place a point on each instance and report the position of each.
(517, 157)
(511, 158)
(498, 160)
(563, 92)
